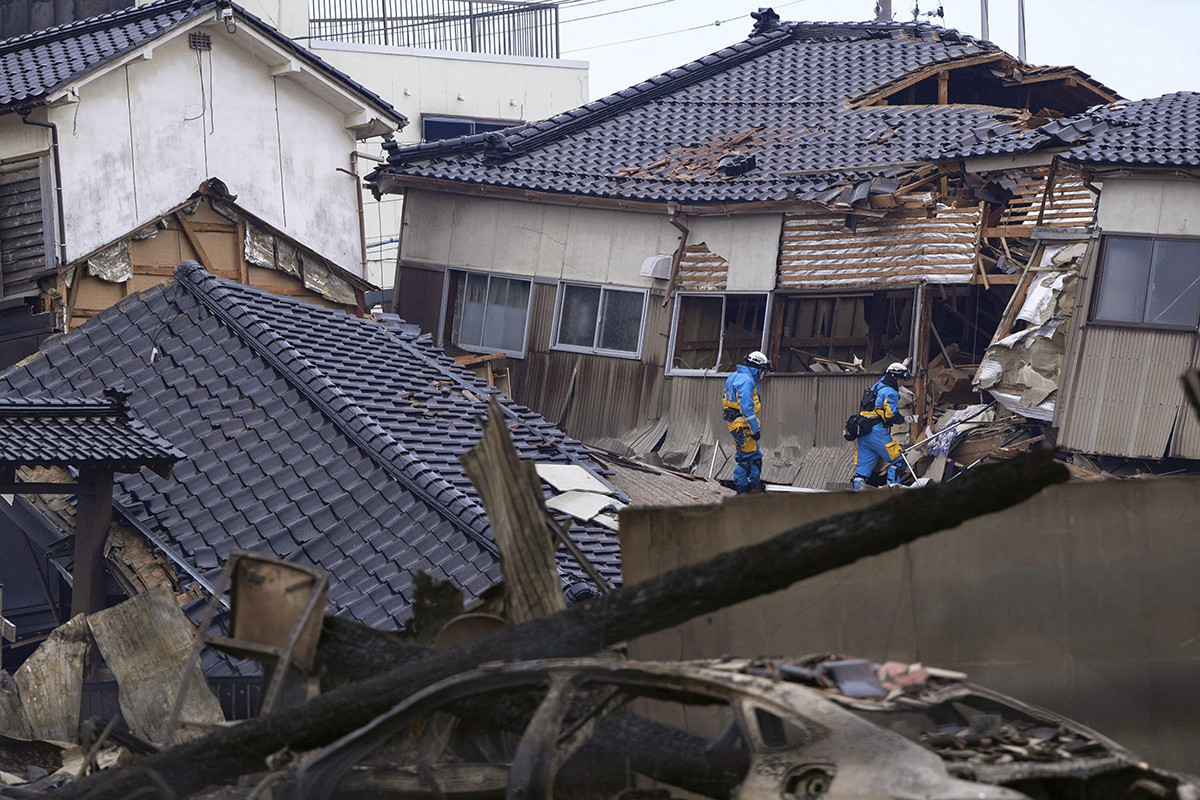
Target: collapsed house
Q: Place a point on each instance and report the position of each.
(107, 124)
(776, 195)
(1111, 324)
(306, 434)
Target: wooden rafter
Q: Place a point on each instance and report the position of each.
(913, 78)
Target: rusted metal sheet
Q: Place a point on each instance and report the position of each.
(902, 249)
(419, 298)
(700, 269)
(1071, 204)
(1125, 393)
(24, 249)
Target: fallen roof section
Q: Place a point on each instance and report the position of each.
(308, 434)
(776, 118)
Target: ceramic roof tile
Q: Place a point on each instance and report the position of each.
(1156, 132)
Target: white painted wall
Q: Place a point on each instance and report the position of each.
(534, 239)
(18, 139)
(1143, 205)
(749, 242)
(143, 136)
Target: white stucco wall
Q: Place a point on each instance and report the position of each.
(1141, 205)
(749, 242)
(18, 139)
(143, 136)
(534, 239)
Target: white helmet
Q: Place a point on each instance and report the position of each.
(897, 370)
(759, 360)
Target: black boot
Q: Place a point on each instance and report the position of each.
(757, 488)
(741, 488)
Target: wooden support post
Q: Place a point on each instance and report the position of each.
(243, 267)
(92, 520)
(920, 369)
(943, 88)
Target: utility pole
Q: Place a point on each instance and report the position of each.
(983, 21)
(883, 11)
(1021, 29)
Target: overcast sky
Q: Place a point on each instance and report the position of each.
(1140, 48)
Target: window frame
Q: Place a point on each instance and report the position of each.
(560, 297)
(474, 122)
(1098, 282)
(447, 311)
(672, 370)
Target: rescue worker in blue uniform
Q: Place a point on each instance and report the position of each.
(740, 407)
(877, 443)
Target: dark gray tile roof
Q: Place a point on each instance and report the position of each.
(77, 432)
(308, 434)
(781, 95)
(1157, 132)
(36, 64)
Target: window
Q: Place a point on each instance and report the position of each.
(1147, 281)
(600, 319)
(715, 332)
(814, 331)
(449, 127)
(491, 312)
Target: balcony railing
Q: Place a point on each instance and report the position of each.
(496, 27)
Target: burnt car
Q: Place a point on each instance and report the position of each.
(803, 729)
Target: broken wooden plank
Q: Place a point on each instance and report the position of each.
(512, 496)
(50, 682)
(653, 605)
(147, 643)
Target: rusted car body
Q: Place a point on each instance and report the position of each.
(820, 727)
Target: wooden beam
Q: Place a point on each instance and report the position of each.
(240, 248)
(943, 88)
(44, 488)
(999, 279)
(194, 241)
(1009, 232)
(92, 520)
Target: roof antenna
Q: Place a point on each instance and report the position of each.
(938, 12)
(1021, 29)
(983, 21)
(883, 11)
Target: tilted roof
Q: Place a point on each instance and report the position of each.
(1156, 132)
(35, 65)
(309, 434)
(784, 96)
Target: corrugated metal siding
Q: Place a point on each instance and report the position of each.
(1125, 393)
(837, 398)
(24, 250)
(1071, 205)
(541, 317)
(418, 298)
(903, 249)
(701, 269)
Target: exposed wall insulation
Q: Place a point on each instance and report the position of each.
(700, 269)
(903, 249)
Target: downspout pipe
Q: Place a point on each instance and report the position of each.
(23, 113)
(672, 217)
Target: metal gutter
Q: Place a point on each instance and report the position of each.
(175, 558)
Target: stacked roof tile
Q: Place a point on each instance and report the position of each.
(78, 432)
(308, 434)
(1157, 132)
(782, 95)
(36, 64)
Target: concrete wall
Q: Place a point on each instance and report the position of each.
(1082, 600)
(143, 136)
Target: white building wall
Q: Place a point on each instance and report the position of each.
(440, 83)
(18, 139)
(1144, 205)
(534, 239)
(142, 137)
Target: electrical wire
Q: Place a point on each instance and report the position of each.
(618, 11)
(714, 24)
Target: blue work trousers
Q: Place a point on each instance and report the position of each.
(748, 471)
(871, 449)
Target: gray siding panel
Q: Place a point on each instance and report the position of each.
(1125, 393)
